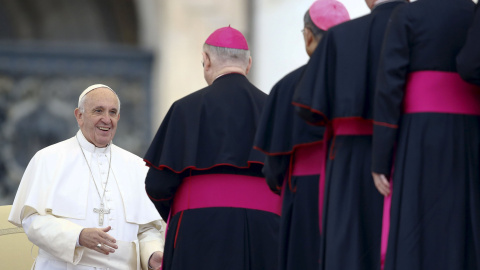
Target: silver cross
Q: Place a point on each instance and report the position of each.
(101, 212)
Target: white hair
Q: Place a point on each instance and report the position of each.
(228, 56)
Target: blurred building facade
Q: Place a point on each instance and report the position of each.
(149, 51)
(51, 50)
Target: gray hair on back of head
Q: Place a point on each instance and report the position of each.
(227, 56)
(308, 23)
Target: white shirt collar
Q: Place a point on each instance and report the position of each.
(90, 147)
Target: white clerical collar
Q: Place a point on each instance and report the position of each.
(90, 147)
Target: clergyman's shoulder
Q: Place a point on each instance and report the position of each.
(195, 96)
(57, 148)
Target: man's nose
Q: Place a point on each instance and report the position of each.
(106, 118)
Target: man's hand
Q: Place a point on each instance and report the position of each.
(382, 184)
(156, 260)
(91, 237)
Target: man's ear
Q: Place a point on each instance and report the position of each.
(78, 116)
(77, 113)
(249, 65)
(206, 61)
(309, 38)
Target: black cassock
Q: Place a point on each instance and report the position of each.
(468, 60)
(280, 134)
(435, 221)
(211, 132)
(337, 90)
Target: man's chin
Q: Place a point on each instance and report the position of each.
(103, 141)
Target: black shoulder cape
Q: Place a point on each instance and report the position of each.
(281, 129)
(211, 127)
(340, 76)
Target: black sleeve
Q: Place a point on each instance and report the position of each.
(311, 118)
(275, 170)
(468, 60)
(161, 186)
(393, 68)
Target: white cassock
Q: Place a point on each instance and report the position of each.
(56, 200)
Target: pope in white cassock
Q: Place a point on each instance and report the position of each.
(83, 201)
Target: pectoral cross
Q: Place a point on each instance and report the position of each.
(101, 212)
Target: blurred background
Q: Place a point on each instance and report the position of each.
(148, 51)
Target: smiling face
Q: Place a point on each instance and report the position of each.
(99, 117)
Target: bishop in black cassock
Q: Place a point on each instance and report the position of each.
(205, 176)
(427, 128)
(337, 91)
(295, 152)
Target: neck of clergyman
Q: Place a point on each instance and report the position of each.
(228, 70)
(90, 147)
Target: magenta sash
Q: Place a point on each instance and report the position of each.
(348, 126)
(441, 92)
(352, 126)
(360, 126)
(310, 160)
(437, 92)
(225, 190)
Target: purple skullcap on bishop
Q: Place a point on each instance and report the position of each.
(227, 37)
(328, 13)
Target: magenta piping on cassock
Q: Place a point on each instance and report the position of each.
(312, 158)
(387, 205)
(352, 126)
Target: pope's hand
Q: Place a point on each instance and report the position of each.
(156, 260)
(98, 239)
